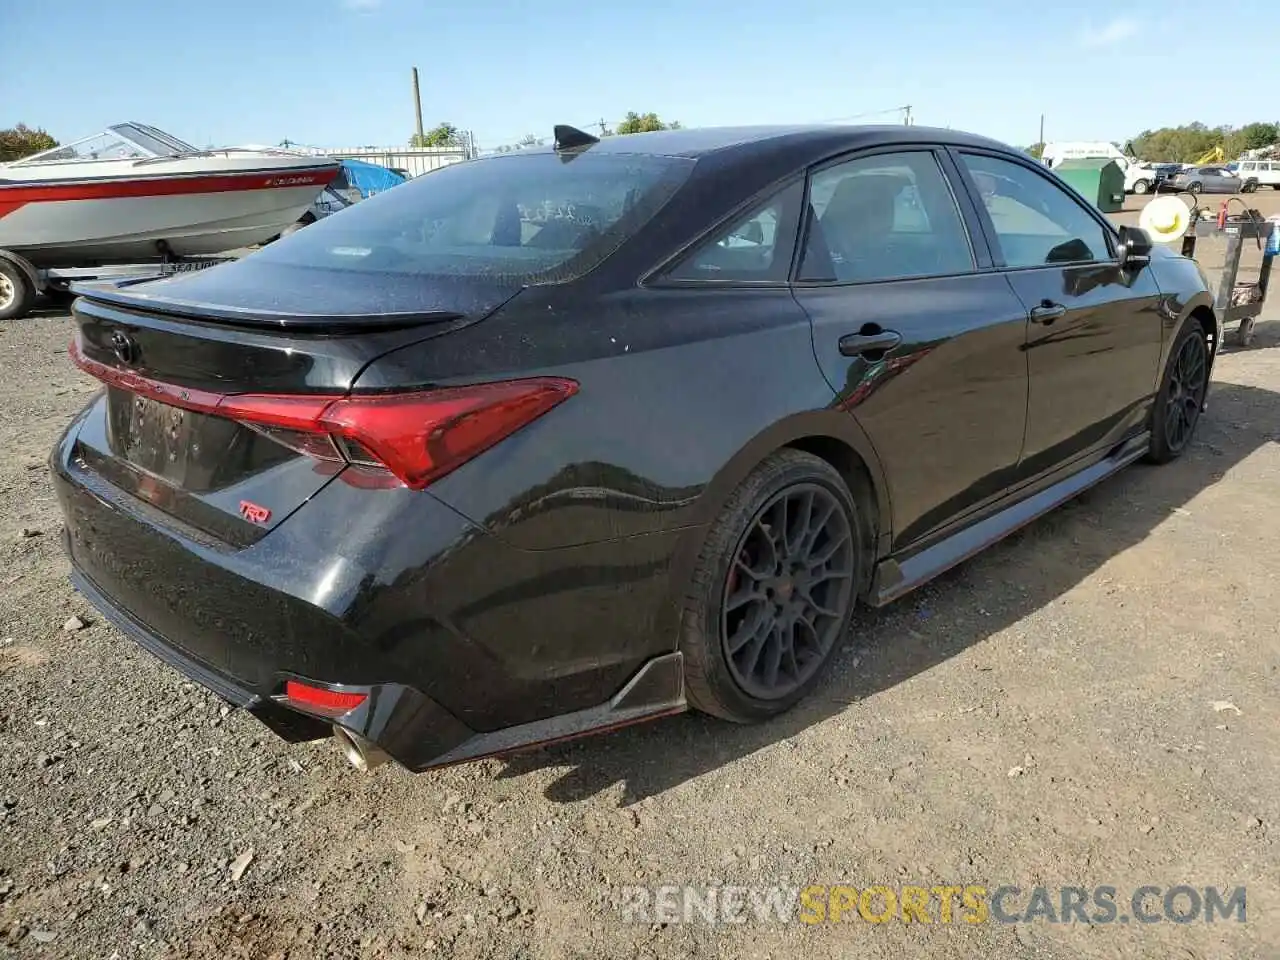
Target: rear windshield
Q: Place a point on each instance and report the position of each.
(536, 217)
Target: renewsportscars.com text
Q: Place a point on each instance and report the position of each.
(940, 903)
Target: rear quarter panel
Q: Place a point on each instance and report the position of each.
(674, 386)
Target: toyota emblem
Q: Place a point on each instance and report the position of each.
(124, 347)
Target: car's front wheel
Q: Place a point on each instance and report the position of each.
(1195, 188)
(774, 589)
(1141, 187)
(1249, 186)
(1181, 397)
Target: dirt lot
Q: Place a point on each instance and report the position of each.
(1092, 702)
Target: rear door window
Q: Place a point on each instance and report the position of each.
(884, 217)
(535, 217)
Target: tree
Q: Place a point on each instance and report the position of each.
(1036, 150)
(644, 123)
(1253, 136)
(442, 135)
(22, 141)
(1189, 142)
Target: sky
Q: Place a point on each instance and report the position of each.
(337, 72)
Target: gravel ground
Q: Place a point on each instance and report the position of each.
(1091, 702)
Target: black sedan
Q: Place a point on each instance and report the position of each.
(557, 441)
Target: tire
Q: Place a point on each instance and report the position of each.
(1249, 186)
(1195, 188)
(1141, 188)
(17, 293)
(1171, 434)
(740, 558)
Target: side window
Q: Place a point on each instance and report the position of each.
(884, 217)
(751, 248)
(1036, 221)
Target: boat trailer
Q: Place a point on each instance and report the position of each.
(21, 281)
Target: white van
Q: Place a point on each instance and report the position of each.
(1258, 173)
(1054, 153)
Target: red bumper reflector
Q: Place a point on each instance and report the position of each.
(418, 436)
(320, 698)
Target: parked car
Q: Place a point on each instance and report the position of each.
(564, 439)
(1206, 180)
(1143, 177)
(1257, 173)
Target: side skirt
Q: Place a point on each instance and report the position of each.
(893, 578)
(657, 690)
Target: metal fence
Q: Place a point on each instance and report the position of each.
(413, 160)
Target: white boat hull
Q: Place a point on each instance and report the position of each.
(135, 211)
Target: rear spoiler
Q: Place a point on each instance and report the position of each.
(120, 293)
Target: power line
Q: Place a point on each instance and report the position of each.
(905, 111)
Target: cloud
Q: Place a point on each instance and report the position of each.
(362, 4)
(1109, 34)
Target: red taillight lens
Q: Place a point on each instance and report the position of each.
(419, 436)
(320, 698)
(422, 436)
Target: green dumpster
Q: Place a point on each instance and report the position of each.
(1101, 182)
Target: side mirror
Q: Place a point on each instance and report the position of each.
(1134, 248)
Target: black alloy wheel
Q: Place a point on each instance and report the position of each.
(789, 591)
(1188, 379)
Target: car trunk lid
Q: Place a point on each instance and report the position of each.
(210, 408)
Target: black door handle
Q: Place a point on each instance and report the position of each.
(1047, 312)
(857, 344)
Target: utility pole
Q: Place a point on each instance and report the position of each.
(417, 105)
(906, 115)
(601, 124)
(1041, 140)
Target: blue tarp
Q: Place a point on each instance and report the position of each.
(369, 178)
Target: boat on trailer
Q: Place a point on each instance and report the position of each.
(133, 199)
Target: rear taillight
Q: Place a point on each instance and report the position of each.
(418, 437)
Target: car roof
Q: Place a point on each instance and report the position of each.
(815, 138)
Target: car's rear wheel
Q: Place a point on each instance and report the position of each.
(774, 589)
(1195, 188)
(1181, 397)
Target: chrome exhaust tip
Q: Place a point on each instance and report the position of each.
(360, 753)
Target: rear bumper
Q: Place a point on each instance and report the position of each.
(463, 645)
(413, 730)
